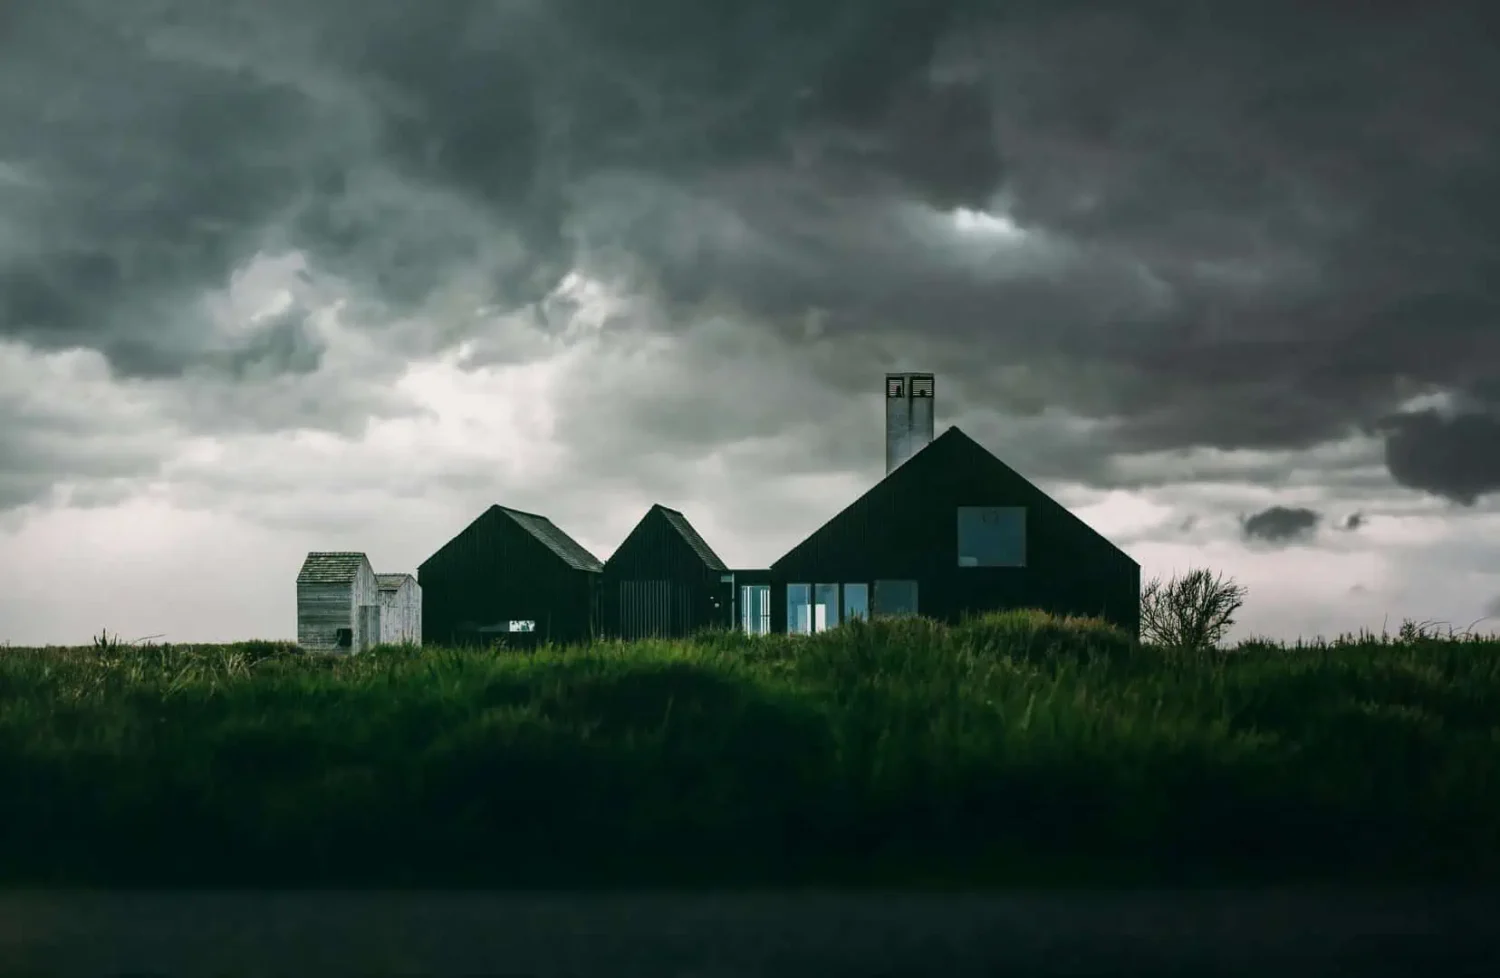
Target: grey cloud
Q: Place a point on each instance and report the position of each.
(99, 453)
(1492, 608)
(1457, 457)
(1252, 229)
(1354, 521)
(1229, 267)
(148, 179)
(500, 108)
(283, 345)
(344, 403)
(1280, 524)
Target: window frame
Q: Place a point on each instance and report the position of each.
(844, 587)
(762, 616)
(962, 558)
(916, 591)
(807, 603)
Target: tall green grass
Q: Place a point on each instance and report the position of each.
(1015, 748)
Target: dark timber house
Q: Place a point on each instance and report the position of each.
(950, 530)
(510, 575)
(664, 580)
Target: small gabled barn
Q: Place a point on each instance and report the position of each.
(665, 581)
(510, 575)
(338, 603)
(400, 609)
(953, 530)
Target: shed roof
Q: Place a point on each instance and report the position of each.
(330, 567)
(700, 546)
(554, 539)
(392, 582)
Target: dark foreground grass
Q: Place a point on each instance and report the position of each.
(1016, 749)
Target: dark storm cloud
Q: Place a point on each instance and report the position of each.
(1456, 456)
(1280, 524)
(1248, 226)
(1248, 234)
(140, 180)
(1354, 521)
(160, 164)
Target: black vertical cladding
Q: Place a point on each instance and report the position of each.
(905, 528)
(664, 580)
(497, 570)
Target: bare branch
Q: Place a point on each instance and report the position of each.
(1191, 612)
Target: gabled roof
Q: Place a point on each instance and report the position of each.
(952, 448)
(333, 567)
(392, 582)
(700, 546)
(543, 530)
(554, 539)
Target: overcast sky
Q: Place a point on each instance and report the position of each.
(291, 275)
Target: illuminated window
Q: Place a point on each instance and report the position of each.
(755, 609)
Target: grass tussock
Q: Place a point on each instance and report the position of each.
(1015, 748)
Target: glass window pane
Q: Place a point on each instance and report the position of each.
(825, 606)
(856, 601)
(991, 536)
(799, 609)
(749, 608)
(895, 598)
(755, 609)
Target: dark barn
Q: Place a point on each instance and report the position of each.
(953, 530)
(665, 581)
(510, 575)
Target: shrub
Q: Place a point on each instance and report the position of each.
(1191, 612)
(1038, 636)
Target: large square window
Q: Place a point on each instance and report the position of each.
(991, 536)
(895, 598)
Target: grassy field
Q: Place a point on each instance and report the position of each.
(1014, 749)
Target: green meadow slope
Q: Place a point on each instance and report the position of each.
(1015, 749)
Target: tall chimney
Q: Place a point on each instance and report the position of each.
(908, 416)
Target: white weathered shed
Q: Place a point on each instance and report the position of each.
(338, 603)
(400, 609)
